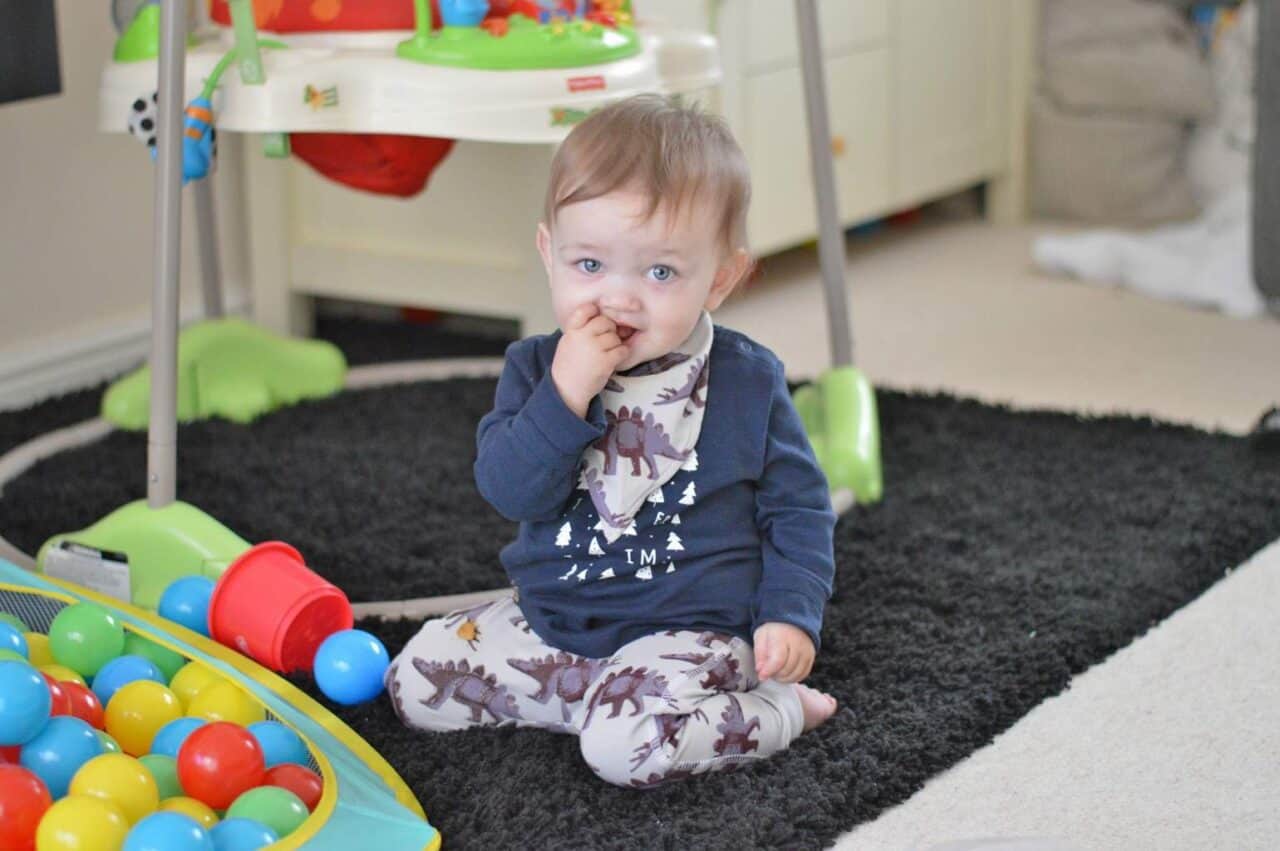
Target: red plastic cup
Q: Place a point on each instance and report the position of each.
(271, 607)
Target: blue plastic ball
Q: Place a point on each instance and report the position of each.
(24, 702)
(279, 743)
(169, 738)
(168, 831)
(186, 601)
(121, 671)
(58, 751)
(242, 834)
(349, 666)
(12, 639)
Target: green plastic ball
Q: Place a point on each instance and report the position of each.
(165, 771)
(109, 744)
(279, 809)
(168, 661)
(85, 637)
(14, 621)
(13, 656)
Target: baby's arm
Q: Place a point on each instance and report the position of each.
(793, 513)
(529, 445)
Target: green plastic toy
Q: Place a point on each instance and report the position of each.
(520, 45)
(233, 369)
(840, 418)
(163, 544)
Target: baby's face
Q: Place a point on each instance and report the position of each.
(652, 277)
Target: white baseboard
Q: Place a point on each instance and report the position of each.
(75, 360)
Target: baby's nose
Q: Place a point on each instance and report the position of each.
(620, 299)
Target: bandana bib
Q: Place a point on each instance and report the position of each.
(653, 416)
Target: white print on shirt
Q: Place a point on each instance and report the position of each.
(562, 539)
(572, 571)
(691, 463)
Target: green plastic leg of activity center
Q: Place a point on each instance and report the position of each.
(840, 417)
(230, 368)
(141, 39)
(162, 544)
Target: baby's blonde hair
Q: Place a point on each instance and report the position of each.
(673, 154)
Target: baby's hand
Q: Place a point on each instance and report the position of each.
(783, 652)
(586, 356)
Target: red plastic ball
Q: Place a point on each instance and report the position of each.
(23, 800)
(84, 704)
(12, 753)
(218, 762)
(299, 780)
(60, 701)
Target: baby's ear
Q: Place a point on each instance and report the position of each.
(543, 241)
(732, 271)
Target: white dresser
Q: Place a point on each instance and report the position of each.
(926, 97)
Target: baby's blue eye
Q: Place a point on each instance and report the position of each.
(662, 273)
(589, 265)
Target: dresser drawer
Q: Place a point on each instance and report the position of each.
(777, 146)
(842, 25)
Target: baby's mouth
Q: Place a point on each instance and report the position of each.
(625, 332)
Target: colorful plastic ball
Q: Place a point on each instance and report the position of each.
(192, 679)
(23, 800)
(226, 701)
(7, 655)
(168, 831)
(164, 770)
(168, 661)
(279, 809)
(12, 638)
(38, 652)
(186, 601)
(82, 823)
(63, 674)
(11, 754)
(58, 752)
(120, 779)
(299, 780)
(138, 711)
(14, 621)
(109, 744)
(84, 637)
(169, 738)
(279, 743)
(350, 665)
(24, 703)
(121, 671)
(84, 704)
(197, 811)
(220, 761)
(59, 698)
(242, 834)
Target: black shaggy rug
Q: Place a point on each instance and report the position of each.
(1012, 550)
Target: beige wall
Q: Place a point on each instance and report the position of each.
(76, 208)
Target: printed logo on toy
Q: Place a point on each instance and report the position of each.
(586, 84)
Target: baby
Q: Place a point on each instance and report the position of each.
(675, 544)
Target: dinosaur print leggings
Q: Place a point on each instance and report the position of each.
(663, 707)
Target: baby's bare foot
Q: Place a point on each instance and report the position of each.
(816, 706)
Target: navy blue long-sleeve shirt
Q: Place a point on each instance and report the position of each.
(739, 537)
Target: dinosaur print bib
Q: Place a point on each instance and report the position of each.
(653, 416)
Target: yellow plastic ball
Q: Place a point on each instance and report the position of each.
(62, 674)
(137, 712)
(38, 649)
(192, 808)
(226, 701)
(190, 680)
(82, 823)
(120, 780)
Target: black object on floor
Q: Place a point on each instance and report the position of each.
(1012, 550)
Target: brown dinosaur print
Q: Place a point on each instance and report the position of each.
(653, 367)
(669, 727)
(705, 639)
(722, 676)
(629, 684)
(736, 731)
(693, 386)
(613, 386)
(520, 623)
(631, 433)
(656, 779)
(392, 684)
(466, 614)
(561, 675)
(596, 488)
(472, 688)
